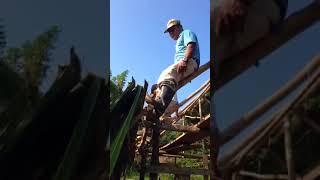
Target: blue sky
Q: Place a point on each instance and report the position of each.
(138, 44)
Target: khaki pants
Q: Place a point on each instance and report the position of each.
(171, 77)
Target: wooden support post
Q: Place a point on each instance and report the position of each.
(205, 165)
(200, 109)
(143, 153)
(143, 145)
(234, 176)
(214, 145)
(288, 150)
(155, 147)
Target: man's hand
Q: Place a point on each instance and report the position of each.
(181, 66)
(230, 15)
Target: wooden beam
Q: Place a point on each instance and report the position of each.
(288, 150)
(184, 147)
(182, 112)
(189, 138)
(261, 108)
(255, 140)
(176, 127)
(176, 170)
(194, 102)
(181, 128)
(292, 26)
(313, 173)
(180, 155)
(263, 176)
(207, 83)
(201, 69)
(191, 117)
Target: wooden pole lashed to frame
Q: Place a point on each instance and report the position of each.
(288, 150)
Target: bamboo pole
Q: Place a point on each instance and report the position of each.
(176, 127)
(261, 108)
(201, 69)
(142, 150)
(205, 165)
(180, 155)
(255, 141)
(288, 149)
(182, 112)
(155, 147)
(207, 83)
(194, 102)
(312, 174)
(292, 26)
(191, 117)
(200, 109)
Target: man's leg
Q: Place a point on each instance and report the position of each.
(167, 84)
(173, 106)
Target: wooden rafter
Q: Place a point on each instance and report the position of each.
(260, 109)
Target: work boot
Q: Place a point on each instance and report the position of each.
(173, 107)
(149, 99)
(163, 101)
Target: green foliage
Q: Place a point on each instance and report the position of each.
(191, 163)
(117, 84)
(120, 79)
(32, 59)
(169, 136)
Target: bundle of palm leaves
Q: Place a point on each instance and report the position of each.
(62, 136)
(124, 127)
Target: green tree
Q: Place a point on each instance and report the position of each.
(32, 59)
(117, 84)
(120, 79)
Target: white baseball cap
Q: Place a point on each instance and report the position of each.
(171, 22)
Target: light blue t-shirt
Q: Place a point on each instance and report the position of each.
(186, 37)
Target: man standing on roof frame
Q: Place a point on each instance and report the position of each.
(187, 61)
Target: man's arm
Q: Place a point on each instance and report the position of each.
(189, 50)
(182, 65)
